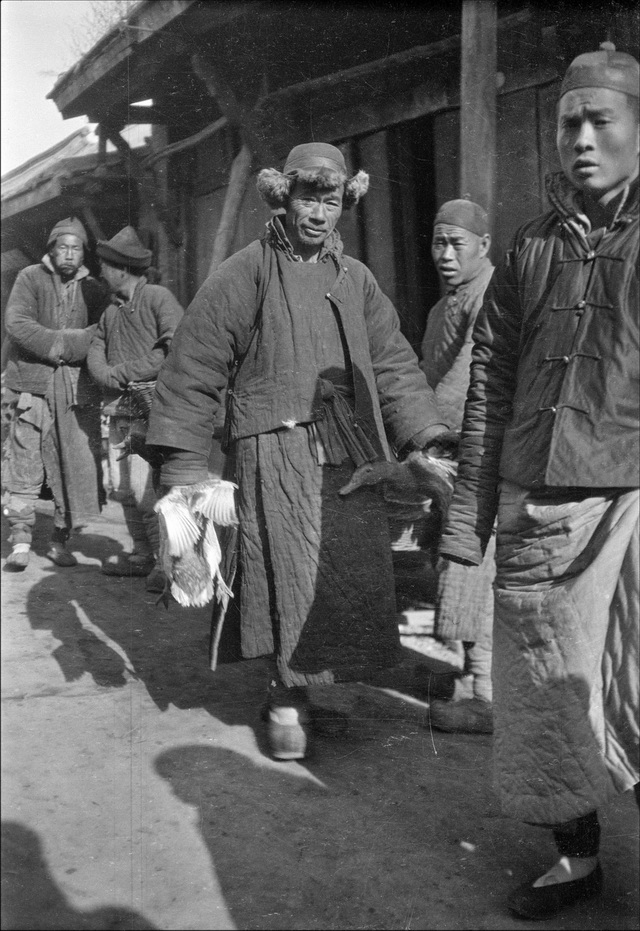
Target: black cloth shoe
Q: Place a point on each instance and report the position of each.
(60, 554)
(540, 902)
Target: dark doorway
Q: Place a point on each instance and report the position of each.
(413, 178)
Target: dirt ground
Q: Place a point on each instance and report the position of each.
(138, 793)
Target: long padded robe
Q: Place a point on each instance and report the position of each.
(315, 568)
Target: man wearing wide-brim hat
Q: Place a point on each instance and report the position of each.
(550, 444)
(48, 397)
(320, 379)
(126, 353)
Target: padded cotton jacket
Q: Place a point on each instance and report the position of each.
(553, 398)
(240, 327)
(133, 338)
(39, 335)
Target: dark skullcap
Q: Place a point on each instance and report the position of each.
(313, 155)
(465, 214)
(125, 248)
(606, 68)
(69, 227)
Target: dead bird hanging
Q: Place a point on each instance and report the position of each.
(190, 552)
(420, 478)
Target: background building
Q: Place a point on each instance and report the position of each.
(435, 100)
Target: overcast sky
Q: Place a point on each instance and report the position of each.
(36, 48)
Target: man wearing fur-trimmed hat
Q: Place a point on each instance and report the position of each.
(464, 610)
(320, 380)
(550, 445)
(125, 356)
(52, 406)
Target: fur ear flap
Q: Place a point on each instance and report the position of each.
(355, 188)
(273, 187)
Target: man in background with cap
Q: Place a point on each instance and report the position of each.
(126, 353)
(464, 608)
(550, 444)
(320, 377)
(48, 397)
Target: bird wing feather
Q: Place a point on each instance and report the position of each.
(190, 551)
(178, 523)
(211, 548)
(215, 499)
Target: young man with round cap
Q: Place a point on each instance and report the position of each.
(464, 608)
(51, 404)
(320, 379)
(129, 347)
(550, 445)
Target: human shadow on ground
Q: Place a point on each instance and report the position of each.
(335, 845)
(349, 841)
(52, 604)
(114, 630)
(31, 898)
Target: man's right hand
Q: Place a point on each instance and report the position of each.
(444, 445)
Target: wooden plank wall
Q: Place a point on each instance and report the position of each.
(526, 153)
(518, 176)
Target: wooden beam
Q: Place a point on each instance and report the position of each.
(225, 234)
(137, 170)
(380, 71)
(102, 144)
(184, 144)
(136, 114)
(361, 75)
(111, 53)
(90, 219)
(243, 118)
(478, 102)
(26, 201)
(238, 113)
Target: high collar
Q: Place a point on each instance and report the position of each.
(567, 201)
(277, 237)
(82, 272)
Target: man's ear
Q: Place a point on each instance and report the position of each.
(485, 244)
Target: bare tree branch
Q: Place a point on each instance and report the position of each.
(103, 15)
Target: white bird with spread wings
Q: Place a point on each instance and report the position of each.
(190, 552)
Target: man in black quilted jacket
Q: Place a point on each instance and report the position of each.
(550, 445)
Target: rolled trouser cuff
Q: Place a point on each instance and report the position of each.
(22, 520)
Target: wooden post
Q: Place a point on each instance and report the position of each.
(91, 220)
(478, 61)
(136, 168)
(102, 144)
(238, 180)
(239, 115)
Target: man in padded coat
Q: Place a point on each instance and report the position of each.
(318, 376)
